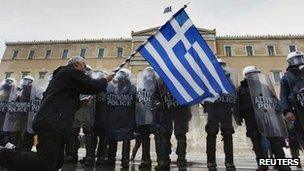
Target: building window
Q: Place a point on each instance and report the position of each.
(119, 52)
(8, 74)
(42, 74)
(24, 73)
(276, 76)
(65, 53)
(15, 54)
(31, 54)
(292, 48)
(271, 51)
(83, 53)
(48, 54)
(249, 50)
(100, 53)
(228, 50)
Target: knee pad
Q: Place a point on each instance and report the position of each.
(212, 131)
(227, 132)
(181, 137)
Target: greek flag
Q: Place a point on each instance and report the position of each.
(184, 61)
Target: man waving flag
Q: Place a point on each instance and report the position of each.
(184, 61)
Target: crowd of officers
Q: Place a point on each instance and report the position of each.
(128, 110)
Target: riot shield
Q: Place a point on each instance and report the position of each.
(95, 100)
(18, 109)
(145, 88)
(7, 89)
(120, 107)
(38, 89)
(269, 118)
(298, 98)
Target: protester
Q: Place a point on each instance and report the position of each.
(53, 123)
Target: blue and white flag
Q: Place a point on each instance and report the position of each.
(183, 59)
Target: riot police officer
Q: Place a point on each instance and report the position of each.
(220, 116)
(172, 117)
(120, 116)
(259, 107)
(17, 117)
(291, 95)
(144, 116)
(7, 89)
(100, 123)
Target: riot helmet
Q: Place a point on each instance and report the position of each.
(250, 69)
(223, 65)
(97, 74)
(26, 81)
(148, 75)
(7, 83)
(295, 58)
(123, 76)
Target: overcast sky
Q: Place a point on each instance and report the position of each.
(77, 19)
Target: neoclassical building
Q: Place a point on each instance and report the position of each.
(40, 58)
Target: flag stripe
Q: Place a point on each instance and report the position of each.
(173, 67)
(180, 52)
(166, 71)
(185, 73)
(204, 73)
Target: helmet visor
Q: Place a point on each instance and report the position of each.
(297, 60)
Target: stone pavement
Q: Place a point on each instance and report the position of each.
(195, 163)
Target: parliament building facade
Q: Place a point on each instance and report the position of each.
(40, 58)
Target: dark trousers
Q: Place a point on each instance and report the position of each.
(26, 142)
(49, 156)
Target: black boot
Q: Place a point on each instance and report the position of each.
(181, 151)
(228, 149)
(146, 159)
(111, 155)
(163, 160)
(157, 146)
(210, 150)
(258, 150)
(125, 159)
(89, 146)
(102, 151)
(74, 145)
(277, 149)
(212, 166)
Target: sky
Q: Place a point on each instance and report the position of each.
(26, 20)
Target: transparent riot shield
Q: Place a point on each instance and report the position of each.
(17, 112)
(146, 86)
(269, 118)
(38, 89)
(298, 98)
(7, 89)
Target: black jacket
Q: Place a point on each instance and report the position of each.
(61, 99)
(288, 80)
(244, 106)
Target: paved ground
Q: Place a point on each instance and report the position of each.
(195, 163)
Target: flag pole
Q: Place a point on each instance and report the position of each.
(135, 51)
